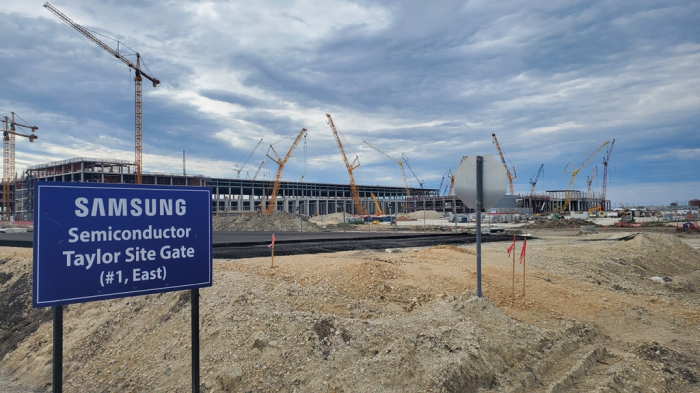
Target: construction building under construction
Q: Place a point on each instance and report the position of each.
(308, 198)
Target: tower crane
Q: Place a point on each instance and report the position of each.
(574, 172)
(533, 182)
(511, 175)
(139, 72)
(237, 169)
(272, 206)
(403, 174)
(405, 159)
(380, 212)
(441, 183)
(258, 171)
(351, 166)
(8, 158)
(605, 175)
(590, 180)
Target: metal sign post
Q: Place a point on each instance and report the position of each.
(479, 206)
(480, 181)
(95, 241)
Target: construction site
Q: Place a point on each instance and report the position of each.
(372, 288)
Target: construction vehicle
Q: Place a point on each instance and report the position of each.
(399, 162)
(590, 181)
(451, 175)
(8, 158)
(237, 169)
(605, 174)
(140, 73)
(595, 212)
(511, 175)
(350, 166)
(574, 172)
(380, 212)
(272, 205)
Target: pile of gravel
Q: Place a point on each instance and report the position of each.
(256, 221)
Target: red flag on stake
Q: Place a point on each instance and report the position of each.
(273, 241)
(512, 246)
(522, 253)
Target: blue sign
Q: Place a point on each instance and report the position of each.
(95, 241)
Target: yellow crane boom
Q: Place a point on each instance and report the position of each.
(139, 72)
(590, 180)
(511, 175)
(574, 172)
(272, 206)
(403, 174)
(8, 158)
(351, 166)
(380, 212)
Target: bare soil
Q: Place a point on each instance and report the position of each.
(589, 318)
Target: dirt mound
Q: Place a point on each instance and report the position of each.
(328, 219)
(560, 223)
(429, 215)
(255, 221)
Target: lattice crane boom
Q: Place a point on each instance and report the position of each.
(534, 182)
(399, 162)
(380, 212)
(139, 75)
(421, 183)
(272, 206)
(574, 172)
(8, 158)
(350, 166)
(590, 180)
(605, 175)
(238, 170)
(511, 175)
(258, 171)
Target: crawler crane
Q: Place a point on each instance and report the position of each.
(403, 174)
(272, 206)
(511, 175)
(574, 172)
(351, 166)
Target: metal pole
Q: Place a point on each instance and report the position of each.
(345, 227)
(57, 349)
(479, 204)
(195, 340)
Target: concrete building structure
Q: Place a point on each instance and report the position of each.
(246, 195)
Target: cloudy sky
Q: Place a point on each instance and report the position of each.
(553, 81)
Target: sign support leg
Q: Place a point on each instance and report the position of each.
(479, 204)
(195, 340)
(57, 381)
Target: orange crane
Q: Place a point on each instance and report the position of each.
(350, 167)
(380, 212)
(590, 180)
(574, 172)
(237, 169)
(272, 206)
(511, 175)
(451, 175)
(403, 174)
(8, 158)
(139, 72)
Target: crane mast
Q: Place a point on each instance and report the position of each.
(605, 176)
(350, 167)
(403, 174)
(533, 182)
(511, 175)
(258, 171)
(272, 206)
(8, 158)
(138, 79)
(238, 170)
(380, 212)
(574, 172)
